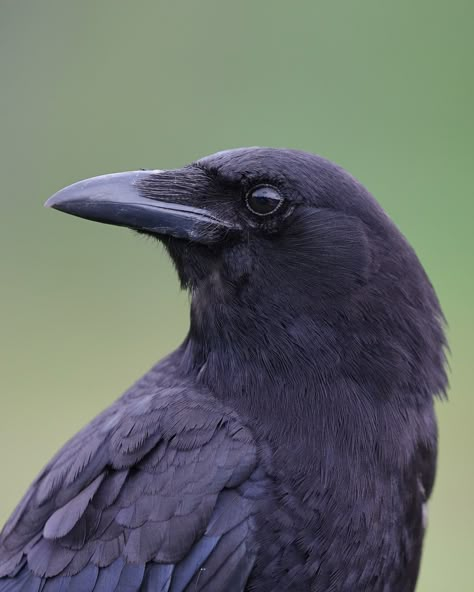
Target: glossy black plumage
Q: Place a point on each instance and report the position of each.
(290, 442)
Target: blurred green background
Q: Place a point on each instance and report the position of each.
(384, 88)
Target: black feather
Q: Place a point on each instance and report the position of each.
(290, 441)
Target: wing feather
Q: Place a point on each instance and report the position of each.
(152, 495)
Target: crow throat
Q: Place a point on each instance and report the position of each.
(354, 377)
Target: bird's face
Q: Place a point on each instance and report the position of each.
(281, 250)
(295, 222)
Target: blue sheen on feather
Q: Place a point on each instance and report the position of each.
(85, 580)
(14, 584)
(131, 578)
(109, 576)
(57, 584)
(32, 585)
(240, 574)
(25, 581)
(158, 577)
(188, 567)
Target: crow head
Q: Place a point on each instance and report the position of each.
(288, 258)
(297, 223)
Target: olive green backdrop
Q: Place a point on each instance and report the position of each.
(87, 87)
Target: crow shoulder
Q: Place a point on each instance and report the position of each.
(160, 487)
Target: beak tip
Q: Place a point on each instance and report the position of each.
(54, 202)
(59, 200)
(50, 202)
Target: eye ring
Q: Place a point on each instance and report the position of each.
(263, 200)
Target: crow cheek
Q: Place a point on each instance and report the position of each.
(238, 263)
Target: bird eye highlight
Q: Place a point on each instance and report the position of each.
(263, 200)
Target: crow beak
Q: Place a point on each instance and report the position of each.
(130, 199)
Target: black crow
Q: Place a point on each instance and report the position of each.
(289, 444)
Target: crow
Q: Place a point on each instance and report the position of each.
(289, 443)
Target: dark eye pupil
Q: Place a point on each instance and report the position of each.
(263, 200)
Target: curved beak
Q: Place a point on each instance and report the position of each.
(158, 202)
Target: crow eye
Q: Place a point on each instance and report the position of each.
(263, 200)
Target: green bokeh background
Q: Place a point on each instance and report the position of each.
(384, 88)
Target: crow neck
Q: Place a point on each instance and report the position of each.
(283, 372)
(307, 381)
